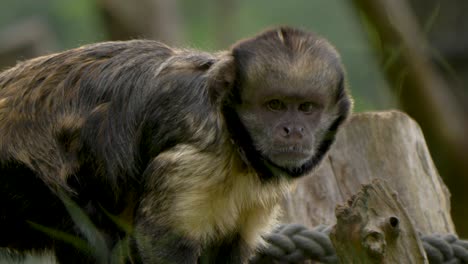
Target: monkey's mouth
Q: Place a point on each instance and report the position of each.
(293, 155)
(292, 151)
(290, 156)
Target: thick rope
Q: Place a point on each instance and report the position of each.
(294, 243)
(445, 249)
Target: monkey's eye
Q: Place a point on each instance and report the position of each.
(307, 107)
(276, 105)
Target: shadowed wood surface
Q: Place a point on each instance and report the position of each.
(375, 228)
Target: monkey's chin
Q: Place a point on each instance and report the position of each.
(290, 161)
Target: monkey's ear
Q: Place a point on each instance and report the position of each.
(221, 79)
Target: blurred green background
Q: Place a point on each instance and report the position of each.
(200, 24)
(372, 55)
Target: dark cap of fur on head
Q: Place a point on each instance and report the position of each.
(281, 40)
(277, 47)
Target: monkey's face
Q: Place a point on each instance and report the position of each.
(288, 112)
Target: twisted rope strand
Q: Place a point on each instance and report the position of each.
(295, 243)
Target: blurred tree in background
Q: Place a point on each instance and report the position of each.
(434, 97)
(30, 28)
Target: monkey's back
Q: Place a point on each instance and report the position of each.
(92, 116)
(99, 98)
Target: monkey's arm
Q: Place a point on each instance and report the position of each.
(155, 240)
(161, 244)
(187, 211)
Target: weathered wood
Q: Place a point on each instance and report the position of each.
(375, 228)
(385, 145)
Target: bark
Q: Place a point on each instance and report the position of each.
(375, 228)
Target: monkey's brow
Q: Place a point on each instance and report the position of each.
(294, 93)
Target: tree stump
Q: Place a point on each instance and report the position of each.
(385, 145)
(375, 228)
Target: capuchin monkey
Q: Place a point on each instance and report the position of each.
(181, 154)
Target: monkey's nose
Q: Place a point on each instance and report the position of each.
(292, 132)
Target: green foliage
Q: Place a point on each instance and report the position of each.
(77, 22)
(76, 242)
(93, 242)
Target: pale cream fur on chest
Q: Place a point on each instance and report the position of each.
(217, 197)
